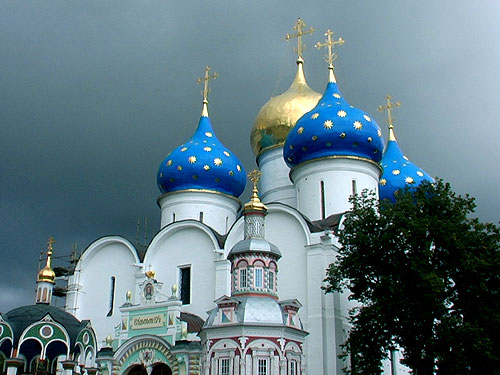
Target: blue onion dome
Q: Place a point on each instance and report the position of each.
(333, 129)
(202, 163)
(399, 171)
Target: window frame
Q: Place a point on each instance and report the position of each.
(180, 283)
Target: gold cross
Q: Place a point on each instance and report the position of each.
(205, 80)
(330, 44)
(389, 108)
(50, 243)
(299, 27)
(254, 176)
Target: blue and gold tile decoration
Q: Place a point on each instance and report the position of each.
(202, 163)
(333, 128)
(399, 171)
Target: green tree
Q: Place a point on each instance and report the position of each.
(426, 277)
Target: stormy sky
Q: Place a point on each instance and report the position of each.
(95, 93)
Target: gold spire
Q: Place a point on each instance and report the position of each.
(205, 79)
(329, 44)
(389, 107)
(299, 25)
(254, 204)
(46, 273)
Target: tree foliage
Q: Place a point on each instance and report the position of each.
(427, 280)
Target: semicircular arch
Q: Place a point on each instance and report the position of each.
(129, 353)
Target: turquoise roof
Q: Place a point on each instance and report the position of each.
(333, 129)
(202, 163)
(399, 171)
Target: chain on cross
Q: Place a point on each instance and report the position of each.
(205, 80)
(299, 27)
(389, 108)
(330, 44)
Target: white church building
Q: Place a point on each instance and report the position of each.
(313, 151)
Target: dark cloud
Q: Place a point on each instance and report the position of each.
(94, 94)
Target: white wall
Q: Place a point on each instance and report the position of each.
(338, 176)
(187, 243)
(219, 210)
(91, 283)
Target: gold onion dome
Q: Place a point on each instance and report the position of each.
(47, 274)
(280, 113)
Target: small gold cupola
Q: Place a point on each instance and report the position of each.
(47, 274)
(254, 204)
(46, 278)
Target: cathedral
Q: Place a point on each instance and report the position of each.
(233, 288)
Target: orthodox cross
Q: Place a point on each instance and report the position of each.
(205, 80)
(254, 176)
(50, 243)
(330, 44)
(389, 108)
(299, 27)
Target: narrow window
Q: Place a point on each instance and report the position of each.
(224, 366)
(243, 278)
(173, 218)
(185, 283)
(111, 296)
(227, 223)
(354, 188)
(258, 277)
(262, 367)
(201, 217)
(322, 188)
(293, 367)
(271, 280)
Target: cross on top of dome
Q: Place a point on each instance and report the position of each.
(206, 91)
(299, 25)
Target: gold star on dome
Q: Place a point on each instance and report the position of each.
(328, 124)
(337, 95)
(383, 182)
(314, 138)
(370, 139)
(184, 149)
(231, 173)
(179, 168)
(342, 135)
(405, 157)
(367, 118)
(395, 172)
(342, 113)
(206, 167)
(420, 174)
(169, 163)
(315, 116)
(218, 161)
(379, 133)
(207, 149)
(208, 134)
(409, 180)
(192, 159)
(238, 168)
(226, 153)
(357, 125)
(300, 130)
